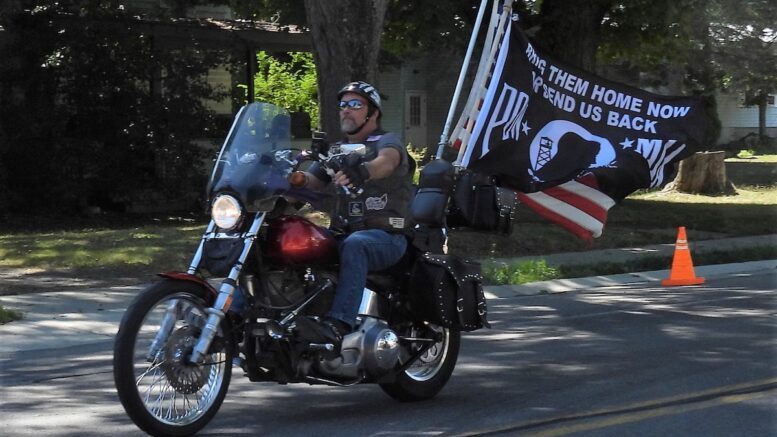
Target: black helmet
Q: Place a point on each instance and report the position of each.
(363, 89)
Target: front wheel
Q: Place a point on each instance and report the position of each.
(428, 374)
(161, 391)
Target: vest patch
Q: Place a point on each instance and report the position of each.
(355, 209)
(377, 203)
(397, 222)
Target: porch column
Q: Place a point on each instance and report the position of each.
(250, 72)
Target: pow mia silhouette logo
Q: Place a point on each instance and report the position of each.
(355, 209)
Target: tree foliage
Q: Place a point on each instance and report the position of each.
(744, 35)
(289, 83)
(699, 45)
(570, 29)
(731, 38)
(95, 114)
(415, 28)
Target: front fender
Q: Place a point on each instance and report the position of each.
(183, 276)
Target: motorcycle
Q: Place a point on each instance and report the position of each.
(180, 338)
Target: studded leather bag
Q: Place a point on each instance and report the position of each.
(446, 290)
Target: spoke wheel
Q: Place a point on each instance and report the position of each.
(161, 391)
(430, 372)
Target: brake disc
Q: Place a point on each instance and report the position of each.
(185, 377)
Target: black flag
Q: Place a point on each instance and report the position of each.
(544, 124)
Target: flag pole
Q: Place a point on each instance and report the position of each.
(460, 83)
(470, 114)
(453, 136)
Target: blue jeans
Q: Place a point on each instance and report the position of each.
(360, 252)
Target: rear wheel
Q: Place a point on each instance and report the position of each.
(430, 372)
(161, 391)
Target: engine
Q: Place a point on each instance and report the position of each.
(289, 286)
(373, 347)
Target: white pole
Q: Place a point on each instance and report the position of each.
(470, 110)
(462, 74)
(479, 88)
(482, 68)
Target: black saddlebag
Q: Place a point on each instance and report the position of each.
(431, 200)
(479, 204)
(446, 290)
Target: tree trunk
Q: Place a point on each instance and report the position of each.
(346, 42)
(762, 119)
(702, 173)
(570, 30)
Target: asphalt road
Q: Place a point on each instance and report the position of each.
(623, 360)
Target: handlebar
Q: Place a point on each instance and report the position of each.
(334, 163)
(322, 153)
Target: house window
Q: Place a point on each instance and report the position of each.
(415, 110)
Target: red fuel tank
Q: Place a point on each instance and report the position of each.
(296, 240)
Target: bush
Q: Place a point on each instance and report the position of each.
(98, 116)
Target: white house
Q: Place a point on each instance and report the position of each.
(737, 120)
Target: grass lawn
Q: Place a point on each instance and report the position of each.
(148, 248)
(643, 218)
(7, 315)
(754, 158)
(145, 247)
(538, 270)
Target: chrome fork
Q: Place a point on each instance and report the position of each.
(168, 322)
(171, 314)
(226, 291)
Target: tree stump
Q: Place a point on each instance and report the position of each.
(703, 173)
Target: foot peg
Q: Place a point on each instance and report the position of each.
(329, 347)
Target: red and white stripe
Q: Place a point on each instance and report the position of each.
(577, 205)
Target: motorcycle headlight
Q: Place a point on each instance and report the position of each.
(226, 212)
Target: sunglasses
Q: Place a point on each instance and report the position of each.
(350, 104)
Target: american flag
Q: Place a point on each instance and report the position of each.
(578, 206)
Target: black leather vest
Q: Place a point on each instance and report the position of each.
(384, 203)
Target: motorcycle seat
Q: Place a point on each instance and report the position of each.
(381, 281)
(395, 275)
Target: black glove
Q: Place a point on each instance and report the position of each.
(354, 168)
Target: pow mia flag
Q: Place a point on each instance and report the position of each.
(543, 124)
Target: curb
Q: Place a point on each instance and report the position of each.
(625, 254)
(89, 318)
(578, 284)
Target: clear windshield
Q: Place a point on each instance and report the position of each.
(257, 158)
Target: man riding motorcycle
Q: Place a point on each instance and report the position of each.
(181, 336)
(370, 225)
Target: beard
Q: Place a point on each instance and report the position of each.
(347, 125)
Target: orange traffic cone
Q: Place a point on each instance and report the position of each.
(682, 266)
